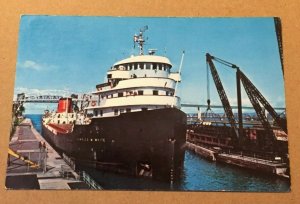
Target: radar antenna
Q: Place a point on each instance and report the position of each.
(140, 40)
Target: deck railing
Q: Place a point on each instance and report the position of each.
(90, 181)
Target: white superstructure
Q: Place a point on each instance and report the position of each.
(137, 83)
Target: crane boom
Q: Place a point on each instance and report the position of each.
(252, 91)
(221, 92)
(258, 109)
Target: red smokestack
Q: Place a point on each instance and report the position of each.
(64, 104)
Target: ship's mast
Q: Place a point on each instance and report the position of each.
(140, 40)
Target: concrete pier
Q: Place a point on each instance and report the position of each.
(202, 151)
(248, 162)
(273, 167)
(33, 164)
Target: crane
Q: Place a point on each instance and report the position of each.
(256, 99)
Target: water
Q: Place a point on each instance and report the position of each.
(36, 121)
(198, 175)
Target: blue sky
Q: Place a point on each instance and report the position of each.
(61, 54)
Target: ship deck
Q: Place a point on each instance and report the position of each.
(61, 128)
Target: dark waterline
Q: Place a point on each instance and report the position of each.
(198, 175)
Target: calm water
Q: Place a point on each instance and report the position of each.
(198, 175)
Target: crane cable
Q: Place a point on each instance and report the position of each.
(207, 87)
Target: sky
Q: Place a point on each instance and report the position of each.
(62, 55)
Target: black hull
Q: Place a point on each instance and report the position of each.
(147, 143)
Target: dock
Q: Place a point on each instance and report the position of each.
(33, 164)
(273, 167)
(269, 166)
(204, 152)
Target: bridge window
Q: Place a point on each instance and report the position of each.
(136, 66)
(155, 92)
(148, 65)
(128, 110)
(144, 109)
(101, 112)
(168, 67)
(140, 92)
(154, 66)
(167, 93)
(120, 94)
(163, 67)
(96, 113)
(159, 66)
(116, 111)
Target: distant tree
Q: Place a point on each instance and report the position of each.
(20, 110)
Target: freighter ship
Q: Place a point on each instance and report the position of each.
(132, 123)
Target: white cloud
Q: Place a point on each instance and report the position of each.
(245, 101)
(29, 64)
(32, 65)
(279, 102)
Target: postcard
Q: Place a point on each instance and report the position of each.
(149, 103)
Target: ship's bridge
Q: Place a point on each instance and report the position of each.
(143, 58)
(141, 66)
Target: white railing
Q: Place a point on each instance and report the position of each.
(89, 181)
(140, 83)
(139, 100)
